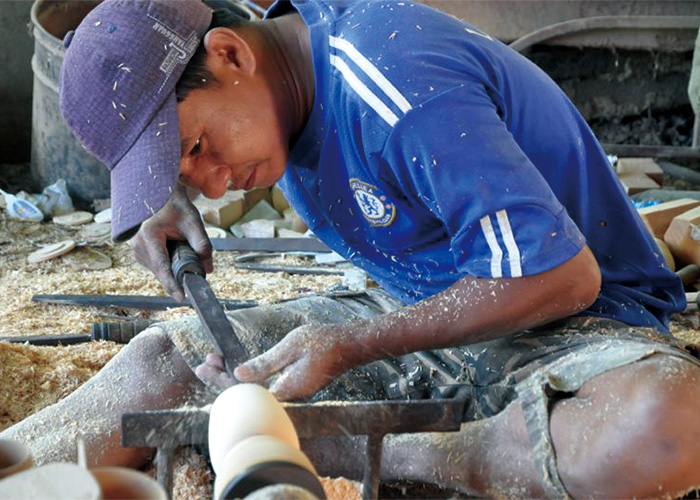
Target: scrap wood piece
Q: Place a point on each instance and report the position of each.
(87, 259)
(104, 216)
(666, 252)
(221, 212)
(216, 232)
(73, 219)
(683, 237)
(48, 252)
(646, 166)
(636, 183)
(659, 217)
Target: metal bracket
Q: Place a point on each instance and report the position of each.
(168, 429)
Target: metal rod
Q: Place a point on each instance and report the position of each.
(358, 418)
(143, 302)
(70, 339)
(269, 245)
(373, 461)
(266, 268)
(651, 151)
(164, 468)
(574, 26)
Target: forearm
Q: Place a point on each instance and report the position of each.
(475, 310)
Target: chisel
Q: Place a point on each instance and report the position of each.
(189, 273)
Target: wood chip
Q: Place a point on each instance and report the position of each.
(216, 232)
(104, 216)
(51, 251)
(87, 259)
(96, 231)
(73, 219)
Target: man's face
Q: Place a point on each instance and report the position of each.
(232, 138)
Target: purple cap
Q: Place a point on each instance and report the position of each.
(117, 94)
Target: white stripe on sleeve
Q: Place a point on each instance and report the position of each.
(365, 93)
(371, 71)
(496, 252)
(516, 270)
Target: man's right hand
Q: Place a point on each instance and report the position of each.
(177, 220)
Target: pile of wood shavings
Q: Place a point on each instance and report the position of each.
(192, 478)
(19, 316)
(32, 377)
(686, 326)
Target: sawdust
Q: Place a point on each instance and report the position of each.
(32, 378)
(192, 477)
(340, 488)
(686, 326)
(19, 316)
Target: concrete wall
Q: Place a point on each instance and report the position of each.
(508, 20)
(16, 49)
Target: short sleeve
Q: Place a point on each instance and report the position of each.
(456, 156)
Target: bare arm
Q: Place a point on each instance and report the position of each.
(475, 310)
(471, 310)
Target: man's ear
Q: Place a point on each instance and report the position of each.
(225, 48)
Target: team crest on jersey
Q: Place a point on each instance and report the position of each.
(375, 206)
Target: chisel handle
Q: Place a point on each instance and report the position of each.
(183, 260)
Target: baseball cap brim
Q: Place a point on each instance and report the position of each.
(145, 178)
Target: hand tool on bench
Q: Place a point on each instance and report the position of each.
(269, 245)
(168, 429)
(143, 302)
(265, 268)
(189, 273)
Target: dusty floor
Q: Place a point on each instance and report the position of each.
(33, 377)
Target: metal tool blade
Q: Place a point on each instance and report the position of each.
(143, 302)
(214, 319)
(265, 268)
(269, 245)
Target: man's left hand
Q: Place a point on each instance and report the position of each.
(306, 360)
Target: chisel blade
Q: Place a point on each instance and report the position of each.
(215, 322)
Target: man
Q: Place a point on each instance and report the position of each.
(458, 176)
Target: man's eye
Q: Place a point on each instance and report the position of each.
(195, 149)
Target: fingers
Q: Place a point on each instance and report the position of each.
(161, 268)
(190, 225)
(179, 219)
(213, 375)
(267, 364)
(215, 360)
(151, 252)
(201, 244)
(290, 386)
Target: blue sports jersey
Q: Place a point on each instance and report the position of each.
(434, 151)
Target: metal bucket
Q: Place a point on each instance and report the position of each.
(56, 153)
